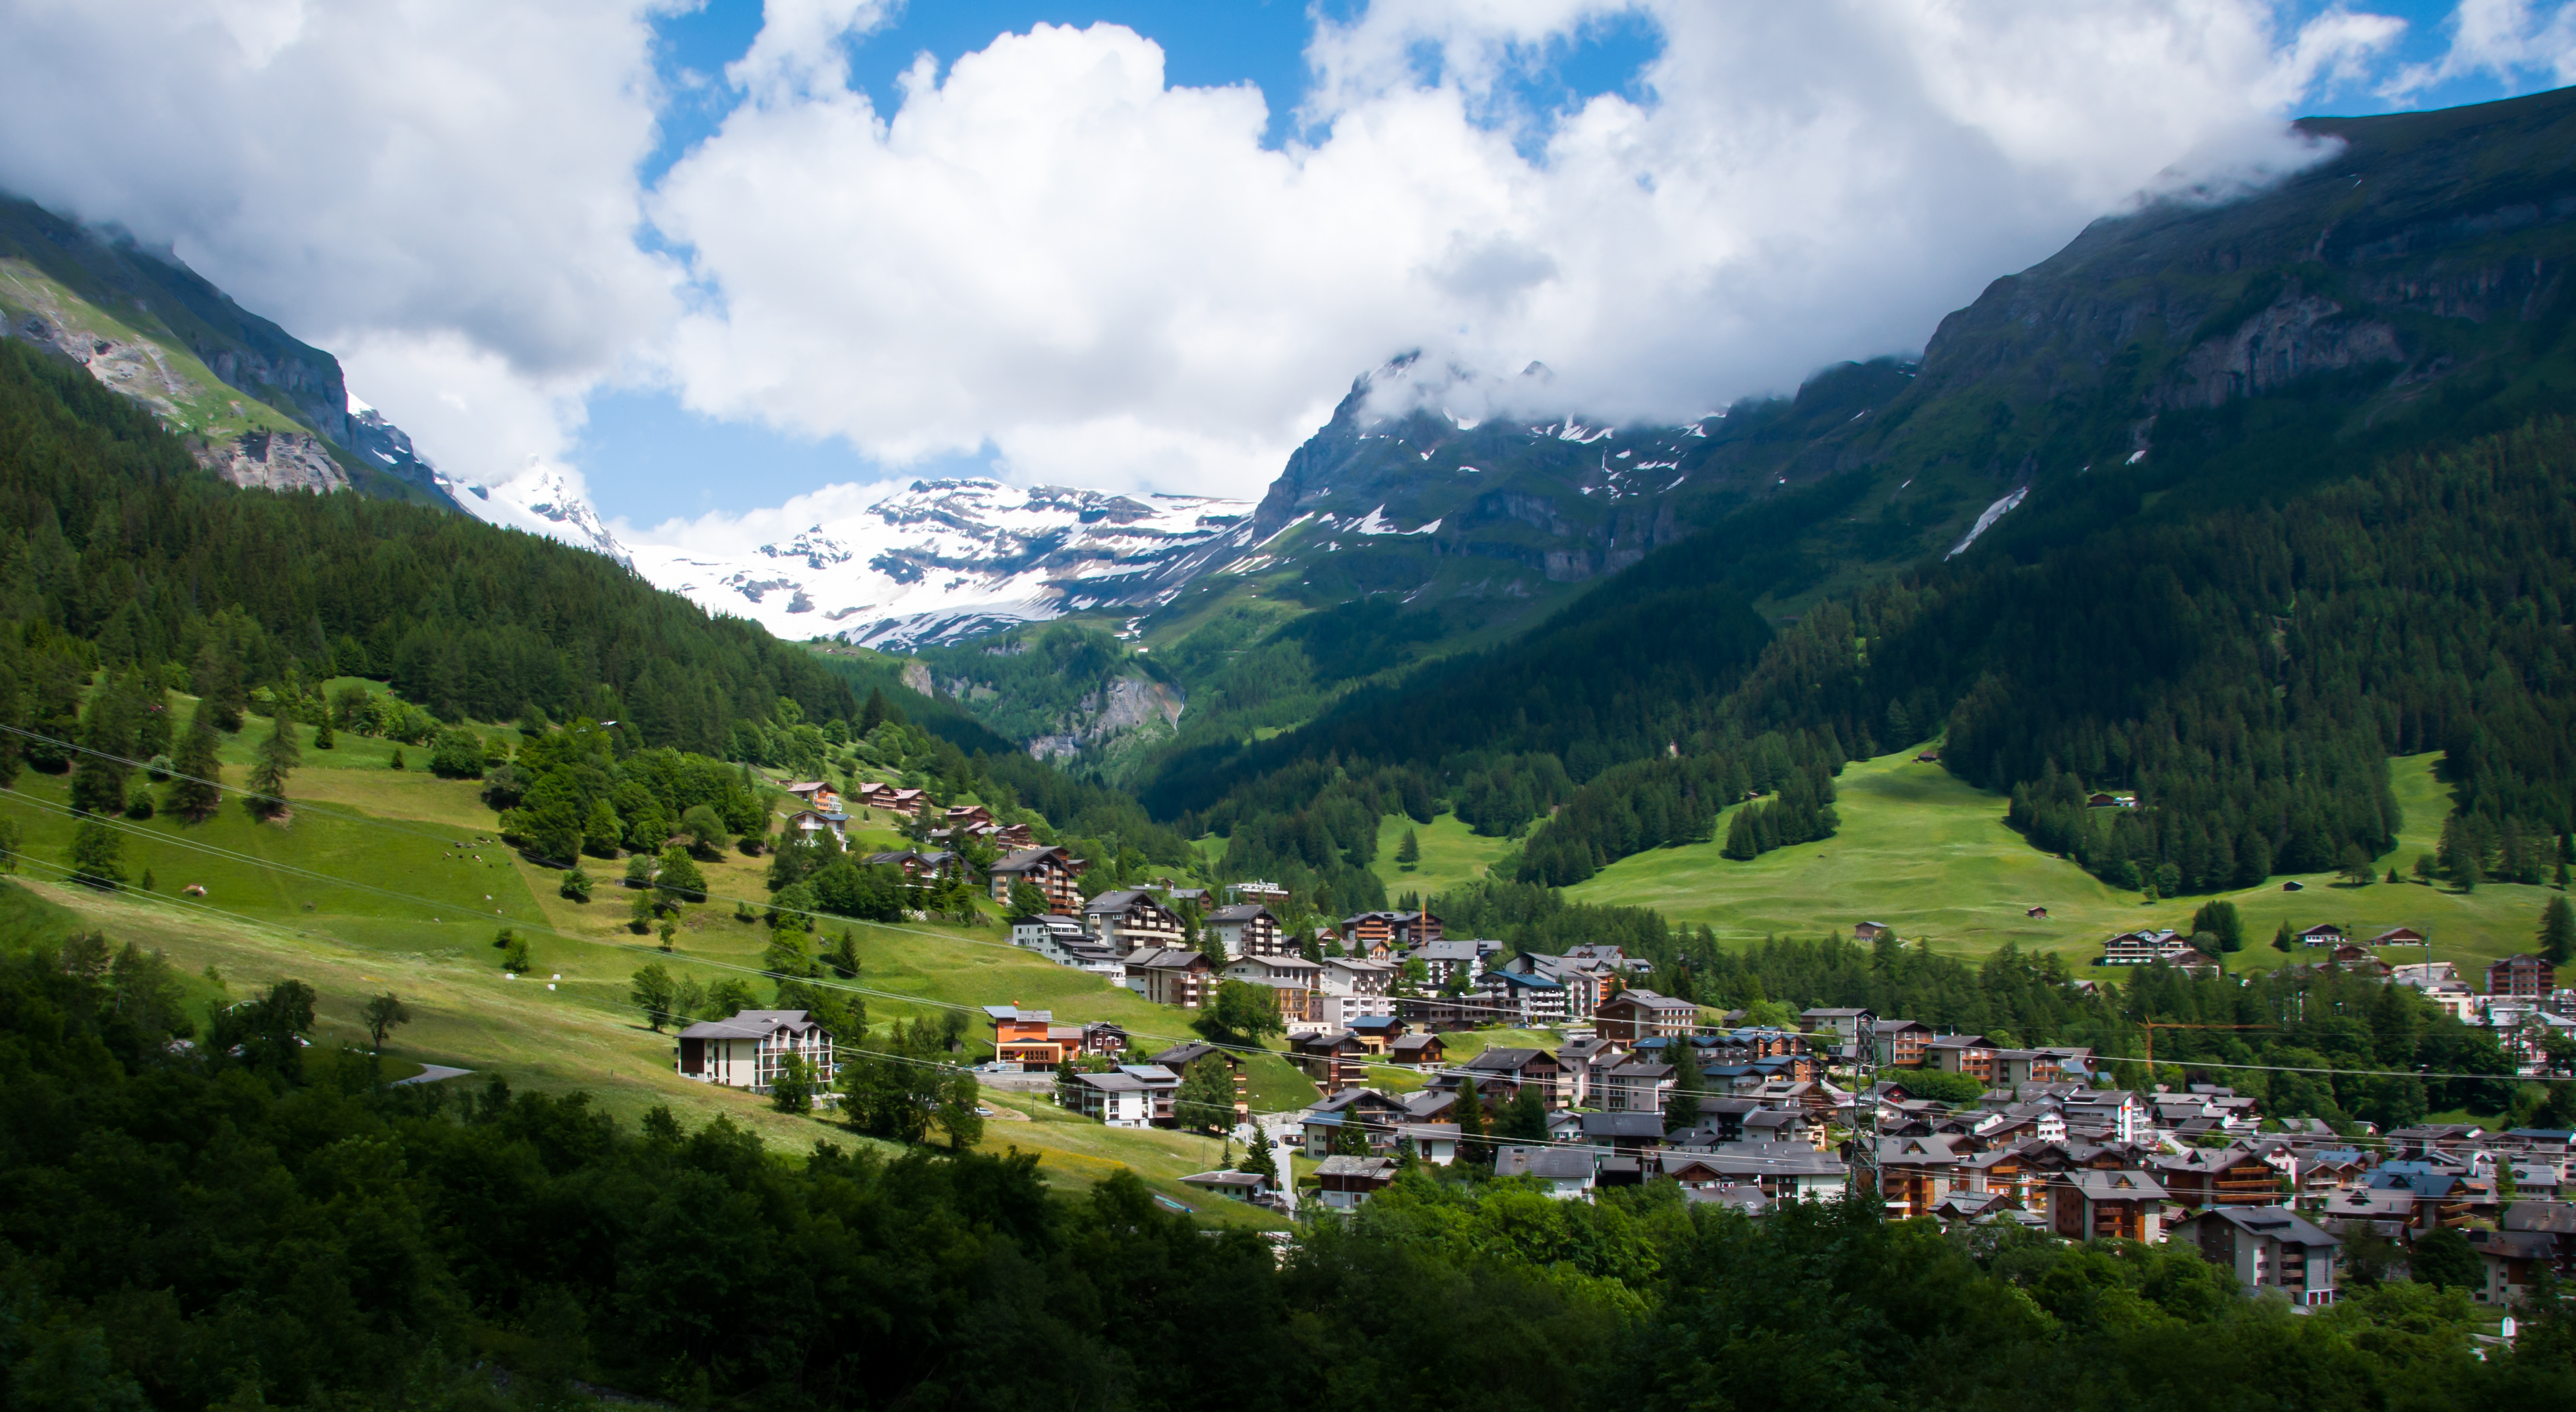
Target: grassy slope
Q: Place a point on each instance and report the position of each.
(1451, 855)
(1930, 856)
(433, 945)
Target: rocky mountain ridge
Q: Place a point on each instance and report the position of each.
(943, 560)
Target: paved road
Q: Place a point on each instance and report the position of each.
(432, 1073)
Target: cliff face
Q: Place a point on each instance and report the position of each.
(263, 407)
(273, 460)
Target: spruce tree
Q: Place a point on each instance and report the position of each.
(1470, 1115)
(196, 785)
(277, 757)
(1408, 854)
(1681, 1110)
(2557, 931)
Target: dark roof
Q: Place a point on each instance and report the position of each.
(1616, 1125)
(1549, 1163)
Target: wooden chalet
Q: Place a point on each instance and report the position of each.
(1052, 871)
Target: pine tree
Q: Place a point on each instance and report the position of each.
(323, 739)
(1408, 854)
(2282, 940)
(98, 856)
(1470, 1115)
(1681, 1110)
(1257, 1159)
(277, 757)
(2557, 931)
(196, 785)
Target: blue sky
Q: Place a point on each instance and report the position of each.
(659, 450)
(647, 456)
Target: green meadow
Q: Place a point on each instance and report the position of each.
(1929, 855)
(1451, 855)
(381, 879)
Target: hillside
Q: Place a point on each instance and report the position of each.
(2124, 595)
(255, 403)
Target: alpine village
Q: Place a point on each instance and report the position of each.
(2030, 876)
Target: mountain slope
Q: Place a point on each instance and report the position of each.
(949, 559)
(255, 404)
(2168, 371)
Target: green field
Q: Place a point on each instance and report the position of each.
(1930, 856)
(409, 886)
(1451, 855)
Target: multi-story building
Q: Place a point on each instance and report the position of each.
(1054, 872)
(748, 1050)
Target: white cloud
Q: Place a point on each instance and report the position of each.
(1050, 251)
(2505, 39)
(426, 188)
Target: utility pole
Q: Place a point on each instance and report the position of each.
(1861, 1158)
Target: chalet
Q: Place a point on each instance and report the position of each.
(1118, 1098)
(1435, 1143)
(2143, 948)
(1335, 1058)
(1378, 1033)
(1614, 957)
(905, 802)
(1900, 1042)
(1584, 1062)
(1391, 930)
(2226, 1177)
(1248, 929)
(2294, 885)
(1172, 976)
(816, 794)
(1844, 1024)
(2398, 936)
(1365, 1108)
(748, 1050)
(2015, 1067)
(1346, 1182)
(919, 867)
(2323, 934)
(2090, 1205)
(1233, 1186)
(1564, 1173)
(1620, 1134)
(1968, 1054)
(1180, 1057)
(1052, 871)
(1418, 1051)
(1636, 1014)
(1585, 982)
(2036, 914)
(1531, 1002)
(1290, 970)
(1784, 1171)
(1131, 920)
(2267, 1248)
(1524, 1069)
(1350, 975)
(1023, 1038)
(1638, 1086)
(1916, 1172)
(1444, 961)
(1871, 931)
(2105, 1115)
(2523, 977)
(806, 823)
(968, 816)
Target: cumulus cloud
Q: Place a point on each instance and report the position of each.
(446, 193)
(2509, 40)
(1051, 251)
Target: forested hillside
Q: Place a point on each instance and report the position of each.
(116, 551)
(2278, 489)
(251, 1222)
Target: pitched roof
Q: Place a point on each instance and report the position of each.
(1028, 858)
(1382, 1168)
(1554, 1164)
(2280, 1223)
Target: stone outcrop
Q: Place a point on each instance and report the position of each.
(273, 460)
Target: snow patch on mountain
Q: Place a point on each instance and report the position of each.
(942, 560)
